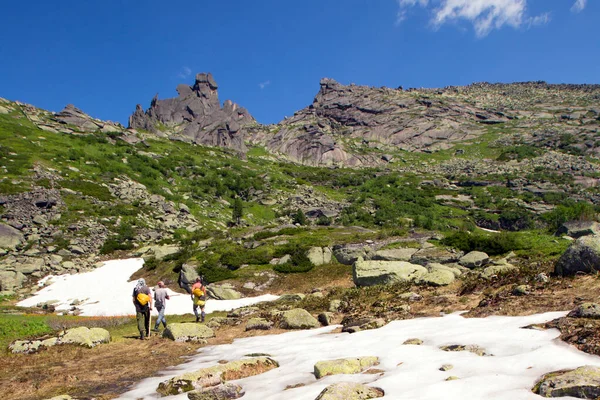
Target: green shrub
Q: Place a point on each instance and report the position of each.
(214, 273)
(491, 244)
(518, 153)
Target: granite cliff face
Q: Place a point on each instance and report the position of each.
(196, 116)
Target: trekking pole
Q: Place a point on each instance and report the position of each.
(149, 319)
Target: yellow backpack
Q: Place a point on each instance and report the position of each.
(143, 298)
(199, 293)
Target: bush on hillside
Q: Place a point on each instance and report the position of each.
(491, 244)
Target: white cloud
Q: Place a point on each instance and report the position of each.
(185, 72)
(485, 15)
(579, 6)
(264, 84)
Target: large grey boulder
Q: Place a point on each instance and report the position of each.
(583, 255)
(474, 259)
(347, 254)
(214, 376)
(319, 255)
(188, 332)
(298, 318)
(403, 254)
(187, 277)
(344, 366)
(223, 391)
(10, 238)
(586, 310)
(434, 255)
(349, 391)
(582, 383)
(10, 280)
(84, 336)
(157, 252)
(370, 273)
(223, 292)
(497, 270)
(438, 277)
(577, 229)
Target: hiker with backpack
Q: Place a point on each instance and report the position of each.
(142, 299)
(199, 298)
(160, 298)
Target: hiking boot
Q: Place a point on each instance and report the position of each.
(197, 319)
(155, 329)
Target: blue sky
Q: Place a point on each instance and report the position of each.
(268, 55)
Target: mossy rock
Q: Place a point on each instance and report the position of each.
(370, 273)
(582, 383)
(84, 336)
(349, 391)
(586, 310)
(501, 269)
(298, 318)
(413, 341)
(438, 277)
(258, 324)
(219, 392)
(216, 375)
(344, 366)
(581, 256)
(472, 348)
(188, 332)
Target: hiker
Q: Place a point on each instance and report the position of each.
(160, 298)
(142, 299)
(199, 298)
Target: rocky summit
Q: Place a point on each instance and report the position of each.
(196, 116)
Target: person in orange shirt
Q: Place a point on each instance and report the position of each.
(199, 299)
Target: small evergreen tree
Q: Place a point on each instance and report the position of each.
(238, 211)
(300, 218)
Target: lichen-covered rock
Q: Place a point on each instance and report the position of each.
(413, 341)
(437, 277)
(335, 305)
(582, 383)
(344, 366)
(495, 270)
(403, 254)
(298, 318)
(25, 346)
(220, 392)
(258, 324)
(84, 336)
(473, 348)
(291, 297)
(319, 255)
(577, 229)
(223, 292)
(522, 290)
(474, 259)
(157, 252)
(347, 254)
(216, 375)
(586, 310)
(9, 237)
(363, 325)
(370, 273)
(188, 332)
(446, 367)
(583, 255)
(434, 255)
(349, 391)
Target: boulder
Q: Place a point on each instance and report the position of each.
(335, 305)
(325, 318)
(363, 325)
(187, 277)
(349, 391)
(223, 292)
(258, 324)
(344, 366)
(10, 238)
(157, 252)
(582, 383)
(474, 259)
(434, 255)
(10, 280)
(31, 265)
(495, 270)
(395, 254)
(298, 318)
(454, 268)
(586, 310)
(437, 277)
(577, 229)
(291, 297)
(188, 332)
(370, 273)
(347, 254)
(319, 255)
(223, 391)
(84, 336)
(25, 346)
(522, 290)
(583, 255)
(216, 375)
(446, 367)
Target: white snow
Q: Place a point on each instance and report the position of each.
(520, 357)
(107, 291)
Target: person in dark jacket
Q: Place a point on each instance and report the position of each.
(142, 311)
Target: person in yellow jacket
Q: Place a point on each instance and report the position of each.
(199, 299)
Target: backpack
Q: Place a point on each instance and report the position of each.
(142, 298)
(199, 293)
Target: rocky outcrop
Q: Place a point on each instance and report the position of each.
(581, 383)
(577, 229)
(196, 116)
(81, 336)
(582, 256)
(188, 332)
(349, 391)
(586, 310)
(474, 259)
(319, 255)
(344, 366)
(347, 254)
(223, 292)
(214, 376)
(10, 238)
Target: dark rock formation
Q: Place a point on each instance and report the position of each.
(195, 116)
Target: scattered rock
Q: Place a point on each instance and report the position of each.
(10, 238)
(258, 324)
(291, 297)
(414, 341)
(319, 255)
(325, 318)
(438, 277)
(586, 310)
(583, 255)
(582, 383)
(344, 366)
(188, 332)
(348, 254)
(522, 290)
(495, 270)
(298, 318)
(349, 391)
(370, 273)
(84, 336)
(446, 367)
(223, 391)
(577, 229)
(474, 259)
(473, 348)
(452, 378)
(335, 305)
(363, 325)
